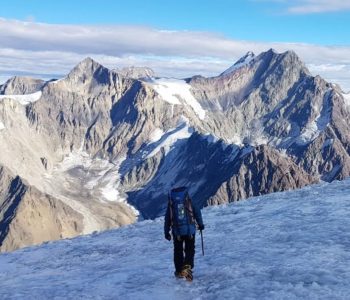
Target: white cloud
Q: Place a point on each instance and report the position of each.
(311, 6)
(318, 6)
(50, 51)
(339, 73)
(110, 40)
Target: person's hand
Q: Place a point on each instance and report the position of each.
(167, 236)
(201, 226)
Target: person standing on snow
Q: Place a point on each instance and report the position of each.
(180, 217)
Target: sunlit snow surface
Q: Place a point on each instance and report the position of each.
(291, 245)
(244, 61)
(173, 90)
(23, 99)
(168, 139)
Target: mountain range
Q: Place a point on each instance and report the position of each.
(101, 148)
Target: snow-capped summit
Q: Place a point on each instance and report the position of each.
(246, 58)
(243, 61)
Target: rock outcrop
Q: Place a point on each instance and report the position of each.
(261, 170)
(29, 217)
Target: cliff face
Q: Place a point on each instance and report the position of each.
(29, 217)
(95, 145)
(261, 171)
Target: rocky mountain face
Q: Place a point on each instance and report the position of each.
(137, 72)
(21, 86)
(29, 216)
(101, 147)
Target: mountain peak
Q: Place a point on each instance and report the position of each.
(272, 52)
(87, 64)
(88, 68)
(246, 58)
(287, 59)
(21, 85)
(243, 61)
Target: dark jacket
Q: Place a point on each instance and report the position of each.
(183, 229)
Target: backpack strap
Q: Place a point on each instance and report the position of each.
(189, 209)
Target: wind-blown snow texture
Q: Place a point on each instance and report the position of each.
(291, 245)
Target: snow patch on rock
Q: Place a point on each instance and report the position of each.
(309, 133)
(169, 138)
(236, 140)
(176, 91)
(58, 80)
(84, 179)
(316, 126)
(23, 99)
(244, 61)
(94, 172)
(156, 135)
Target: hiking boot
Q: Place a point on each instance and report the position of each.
(187, 272)
(178, 274)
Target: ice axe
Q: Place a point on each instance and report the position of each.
(202, 241)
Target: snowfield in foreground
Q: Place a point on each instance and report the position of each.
(291, 245)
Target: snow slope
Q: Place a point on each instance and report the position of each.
(23, 99)
(245, 60)
(291, 245)
(174, 90)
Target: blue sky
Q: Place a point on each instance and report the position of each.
(175, 38)
(239, 19)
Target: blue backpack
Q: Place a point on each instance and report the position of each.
(181, 212)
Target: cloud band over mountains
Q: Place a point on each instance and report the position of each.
(50, 50)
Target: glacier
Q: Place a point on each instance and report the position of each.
(173, 90)
(287, 245)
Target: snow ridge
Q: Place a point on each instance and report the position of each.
(23, 99)
(243, 61)
(291, 245)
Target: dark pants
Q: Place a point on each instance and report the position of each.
(184, 255)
